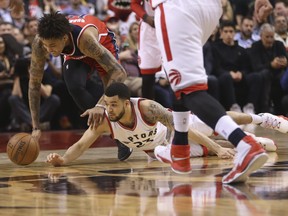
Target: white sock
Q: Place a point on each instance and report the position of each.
(181, 121)
(256, 119)
(225, 126)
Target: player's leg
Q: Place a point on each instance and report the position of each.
(183, 60)
(149, 59)
(265, 120)
(75, 74)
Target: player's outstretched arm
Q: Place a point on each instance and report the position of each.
(200, 138)
(36, 74)
(78, 148)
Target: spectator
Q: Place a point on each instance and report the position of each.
(6, 28)
(231, 69)
(5, 15)
(18, 20)
(269, 59)
(280, 8)
(242, 9)
(281, 33)
(6, 83)
(50, 6)
(129, 60)
(76, 8)
(247, 35)
(34, 9)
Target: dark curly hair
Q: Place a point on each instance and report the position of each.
(119, 89)
(53, 26)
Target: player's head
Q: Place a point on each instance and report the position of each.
(117, 99)
(53, 30)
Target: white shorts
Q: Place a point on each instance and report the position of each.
(149, 54)
(182, 28)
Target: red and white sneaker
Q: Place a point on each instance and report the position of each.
(250, 157)
(177, 155)
(268, 144)
(163, 153)
(279, 123)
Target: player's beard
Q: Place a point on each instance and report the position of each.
(117, 117)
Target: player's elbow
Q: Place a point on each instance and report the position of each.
(121, 75)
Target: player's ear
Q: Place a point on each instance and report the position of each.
(127, 102)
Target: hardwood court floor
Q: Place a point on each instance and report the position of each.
(98, 184)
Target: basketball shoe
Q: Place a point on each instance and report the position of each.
(123, 151)
(250, 157)
(279, 123)
(268, 144)
(177, 155)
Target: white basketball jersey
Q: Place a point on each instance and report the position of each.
(143, 135)
(155, 3)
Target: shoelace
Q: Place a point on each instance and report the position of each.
(271, 122)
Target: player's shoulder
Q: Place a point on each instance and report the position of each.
(147, 106)
(142, 102)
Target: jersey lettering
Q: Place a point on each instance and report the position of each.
(146, 141)
(136, 137)
(77, 20)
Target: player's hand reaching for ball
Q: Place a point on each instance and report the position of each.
(55, 159)
(36, 134)
(95, 116)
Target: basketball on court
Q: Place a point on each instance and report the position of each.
(22, 149)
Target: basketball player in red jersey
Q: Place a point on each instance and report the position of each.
(87, 45)
(181, 38)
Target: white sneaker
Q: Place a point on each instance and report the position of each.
(279, 123)
(163, 153)
(249, 108)
(267, 144)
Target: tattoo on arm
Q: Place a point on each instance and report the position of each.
(36, 74)
(92, 48)
(156, 112)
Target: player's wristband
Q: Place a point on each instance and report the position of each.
(100, 105)
(35, 128)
